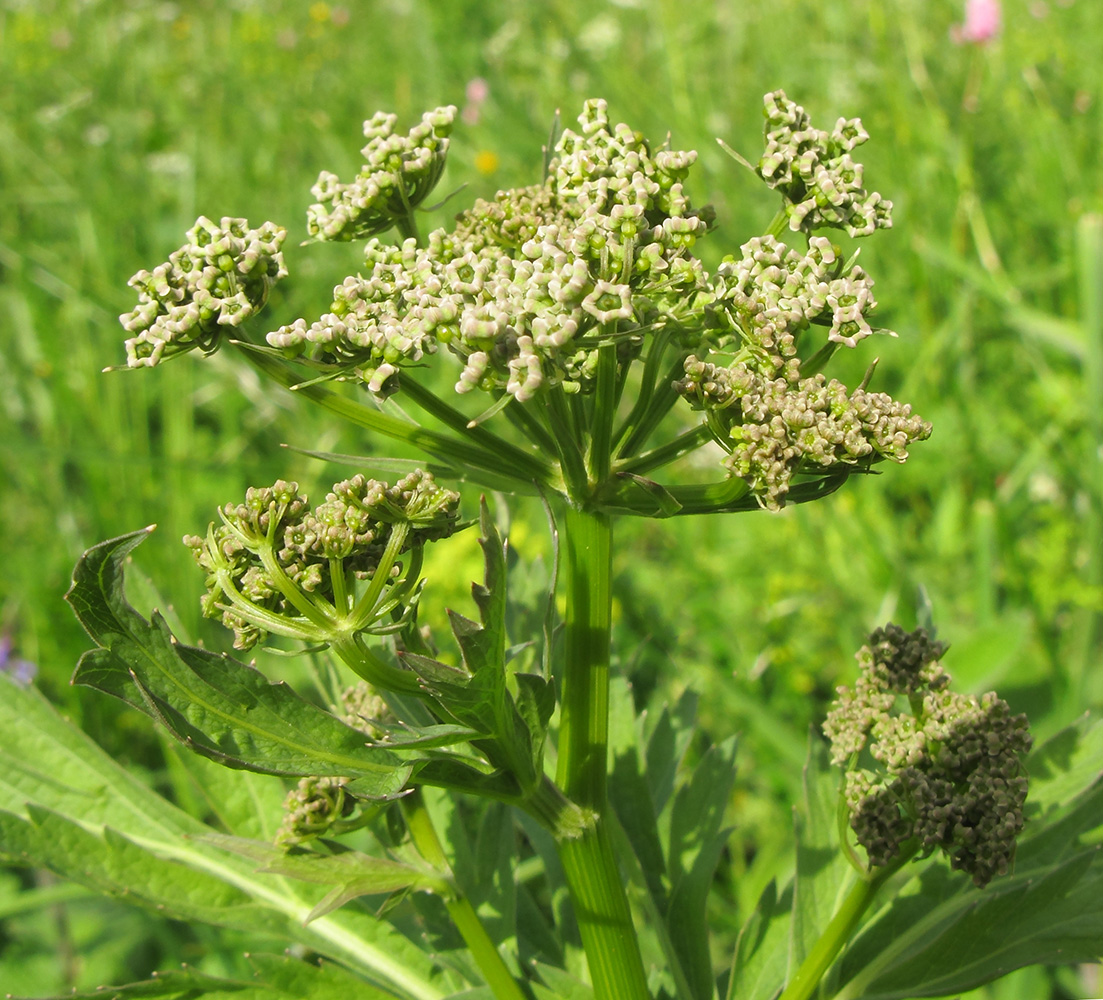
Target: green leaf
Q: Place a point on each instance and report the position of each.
(477, 696)
(535, 704)
(761, 955)
(247, 804)
(1067, 763)
(305, 981)
(493, 891)
(117, 866)
(667, 745)
(559, 985)
(697, 839)
(372, 875)
(213, 704)
(823, 875)
(630, 792)
(274, 976)
(176, 984)
(51, 765)
(1045, 916)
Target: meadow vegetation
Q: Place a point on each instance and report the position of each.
(124, 121)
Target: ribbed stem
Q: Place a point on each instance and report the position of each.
(597, 891)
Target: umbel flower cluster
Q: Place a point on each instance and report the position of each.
(275, 564)
(813, 170)
(312, 809)
(928, 768)
(219, 278)
(398, 172)
(774, 422)
(527, 288)
(528, 285)
(318, 806)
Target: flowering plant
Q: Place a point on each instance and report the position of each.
(467, 796)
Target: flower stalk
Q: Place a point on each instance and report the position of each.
(597, 890)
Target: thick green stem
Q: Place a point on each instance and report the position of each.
(597, 891)
(478, 941)
(584, 722)
(839, 931)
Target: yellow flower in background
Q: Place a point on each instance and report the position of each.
(486, 161)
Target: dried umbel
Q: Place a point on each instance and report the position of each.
(928, 768)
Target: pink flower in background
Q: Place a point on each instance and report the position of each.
(982, 22)
(478, 90)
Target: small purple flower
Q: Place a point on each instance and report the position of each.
(20, 671)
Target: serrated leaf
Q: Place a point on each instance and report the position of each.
(490, 595)
(1066, 764)
(459, 776)
(493, 891)
(374, 875)
(667, 745)
(559, 985)
(477, 695)
(697, 839)
(1050, 916)
(535, 705)
(116, 866)
(246, 803)
(630, 791)
(213, 704)
(275, 977)
(423, 737)
(306, 981)
(176, 984)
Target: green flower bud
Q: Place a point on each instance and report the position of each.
(312, 808)
(277, 565)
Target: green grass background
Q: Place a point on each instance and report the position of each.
(120, 122)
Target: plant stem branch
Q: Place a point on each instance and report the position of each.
(605, 411)
(510, 457)
(839, 931)
(479, 943)
(447, 448)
